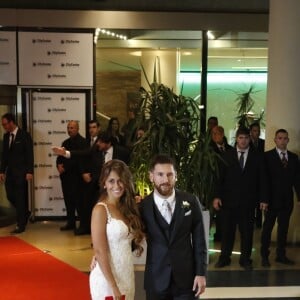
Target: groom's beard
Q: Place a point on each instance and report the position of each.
(164, 189)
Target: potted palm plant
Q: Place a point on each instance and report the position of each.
(245, 103)
(171, 125)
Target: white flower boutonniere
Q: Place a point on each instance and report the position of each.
(186, 205)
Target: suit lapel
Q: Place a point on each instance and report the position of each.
(152, 217)
(177, 217)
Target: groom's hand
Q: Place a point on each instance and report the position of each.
(199, 285)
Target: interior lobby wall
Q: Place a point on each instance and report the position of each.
(114, 90)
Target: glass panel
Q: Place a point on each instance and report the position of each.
(236, 63)
(119, 71)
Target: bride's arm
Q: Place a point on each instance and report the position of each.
(100, 245)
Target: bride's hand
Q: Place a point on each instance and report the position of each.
(93, 263)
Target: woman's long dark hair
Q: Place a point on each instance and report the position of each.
(127, 204)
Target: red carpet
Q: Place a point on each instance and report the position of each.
(27, 273)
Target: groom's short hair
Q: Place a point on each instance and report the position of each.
(161, 159)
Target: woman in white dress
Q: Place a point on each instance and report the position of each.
(115, 225)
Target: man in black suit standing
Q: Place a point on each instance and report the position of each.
(70, 175)
(255, 141)
(111, 151)
(16, 168)
(89, 164)
(257, 144)
(241, 183)
(219, 145)
(176, 253)
(283, 174)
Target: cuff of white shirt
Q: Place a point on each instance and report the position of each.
(68, 154)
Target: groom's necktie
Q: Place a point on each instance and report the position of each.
(167, 211)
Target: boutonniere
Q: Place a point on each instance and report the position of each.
(186, 205)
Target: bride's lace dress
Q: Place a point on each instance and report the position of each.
(119, 241)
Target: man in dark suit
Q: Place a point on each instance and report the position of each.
(283, 174)
(111, 151)
(257, 144)
(255, 141)
(16, 168)
(70, 175)
(241, 183)
(176, 247)
(89, 165)
(219, 142)
(219, 145)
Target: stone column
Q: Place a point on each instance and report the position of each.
(283, 97)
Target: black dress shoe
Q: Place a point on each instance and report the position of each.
(265, 262)
(222, 263)
(17, 230)
(67, 227)
(247, 265)
(81, 231)
(284, 260)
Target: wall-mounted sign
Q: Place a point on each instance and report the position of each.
(8, 65)
(56, 59)
(51, 114)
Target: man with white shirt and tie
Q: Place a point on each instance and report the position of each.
(94, 129)
(176, 248)
(111, 151)
(16, 168)
(283, 175)
(241, 182)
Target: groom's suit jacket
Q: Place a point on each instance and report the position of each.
(178, 250)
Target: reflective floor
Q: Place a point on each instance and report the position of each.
(231, 282)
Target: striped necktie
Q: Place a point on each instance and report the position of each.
(284, 160)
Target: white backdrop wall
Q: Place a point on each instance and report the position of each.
(50, 114)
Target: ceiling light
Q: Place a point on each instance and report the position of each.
(136, 53)
(210, 35)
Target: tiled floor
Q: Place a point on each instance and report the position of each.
(231, 282)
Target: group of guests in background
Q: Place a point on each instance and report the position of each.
(251, 181)
(79, 164)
